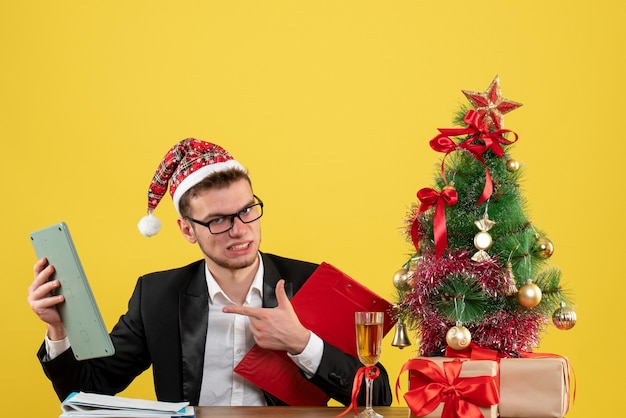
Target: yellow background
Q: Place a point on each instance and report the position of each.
(330, 104)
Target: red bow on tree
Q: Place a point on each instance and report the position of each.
(429, 198)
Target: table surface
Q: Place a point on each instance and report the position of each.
(292, 411)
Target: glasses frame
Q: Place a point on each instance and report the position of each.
(232, 217)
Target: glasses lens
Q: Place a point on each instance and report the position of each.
(251, 213)
(217, 226)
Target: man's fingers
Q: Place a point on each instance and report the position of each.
(281, 295)
(39, 265)
(43, 294)
(43, 271)
(243, 310)
(41, 304)
(259, 313)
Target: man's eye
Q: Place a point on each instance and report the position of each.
(217, 221)
(245, 211)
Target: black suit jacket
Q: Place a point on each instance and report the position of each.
(166, 326)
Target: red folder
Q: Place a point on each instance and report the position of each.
(325, 304)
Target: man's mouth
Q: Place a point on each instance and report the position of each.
(239, 246)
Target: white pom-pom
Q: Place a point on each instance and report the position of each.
(149, 225)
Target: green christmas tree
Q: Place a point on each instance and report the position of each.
(480, 268)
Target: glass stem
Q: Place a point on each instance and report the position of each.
(369, 382)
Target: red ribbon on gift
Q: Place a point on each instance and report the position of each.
(429, 198)
(368, 372)
(461, 396)
(475, 352)
(476, 129)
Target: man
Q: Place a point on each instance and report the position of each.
(194, 324)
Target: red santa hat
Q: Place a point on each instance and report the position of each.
(184, 165)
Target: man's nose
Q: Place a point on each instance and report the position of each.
(237, 226)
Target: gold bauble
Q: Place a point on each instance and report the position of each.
(529, 295)
(400, 279)
(458, 337)
(543, 247)
(512, 165)
(482, 240)
(564, 318)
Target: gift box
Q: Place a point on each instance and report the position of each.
(534, 387)
(451, 387)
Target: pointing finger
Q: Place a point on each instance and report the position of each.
(243, 310)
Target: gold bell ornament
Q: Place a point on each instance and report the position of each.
(400, 337)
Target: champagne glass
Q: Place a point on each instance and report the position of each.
(369, 334)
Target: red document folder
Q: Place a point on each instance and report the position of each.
(325, 304)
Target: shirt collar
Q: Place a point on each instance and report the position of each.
(257, 283)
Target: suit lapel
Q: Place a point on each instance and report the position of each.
(194, 309)
(271, 276)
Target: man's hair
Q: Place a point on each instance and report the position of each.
(217, 180)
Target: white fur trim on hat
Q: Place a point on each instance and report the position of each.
(198, 175)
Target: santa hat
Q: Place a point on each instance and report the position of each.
(185, 165)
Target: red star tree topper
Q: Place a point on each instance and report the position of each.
(491, 105)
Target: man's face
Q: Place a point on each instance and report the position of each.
(235, 249)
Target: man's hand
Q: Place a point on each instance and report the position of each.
(275, 328)
(42, 302)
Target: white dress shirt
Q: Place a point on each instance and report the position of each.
(227, 342)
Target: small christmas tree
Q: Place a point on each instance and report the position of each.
(479, 269)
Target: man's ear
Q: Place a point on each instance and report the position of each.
(187, 230)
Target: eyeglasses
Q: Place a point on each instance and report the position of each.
(246, 215)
